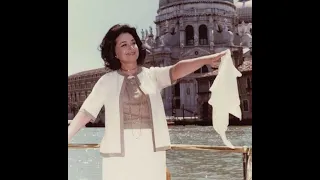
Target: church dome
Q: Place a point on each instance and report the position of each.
(167, 2)
(244, 10)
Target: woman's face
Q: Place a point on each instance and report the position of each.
(126, 48)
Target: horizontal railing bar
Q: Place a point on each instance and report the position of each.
(237, 149)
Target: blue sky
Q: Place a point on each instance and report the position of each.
(89, 20)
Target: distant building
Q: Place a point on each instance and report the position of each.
(187, 29)
(79, 87)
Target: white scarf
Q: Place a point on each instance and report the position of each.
(225, 97)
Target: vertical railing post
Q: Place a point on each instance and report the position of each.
(245, 162)
(183, 111)
(168, 174)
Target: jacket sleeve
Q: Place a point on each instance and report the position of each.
(89, 109)
(163, 76)
(94, 102)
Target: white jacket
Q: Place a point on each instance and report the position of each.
(106, 93)
(225, 96)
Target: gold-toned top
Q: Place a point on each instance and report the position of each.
(136, 109)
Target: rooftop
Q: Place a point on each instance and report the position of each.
(89, 72)
(246, 66)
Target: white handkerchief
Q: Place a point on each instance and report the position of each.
(225, 97)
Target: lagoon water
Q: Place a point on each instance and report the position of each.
(183, 165)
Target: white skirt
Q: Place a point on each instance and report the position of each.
(140, 161)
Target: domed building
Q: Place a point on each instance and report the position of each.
(187, 29)
(243, 31)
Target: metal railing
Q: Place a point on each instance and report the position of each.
(246, 153)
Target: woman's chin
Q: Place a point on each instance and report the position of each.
(131, 60)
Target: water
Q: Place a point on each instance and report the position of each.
(183, 165)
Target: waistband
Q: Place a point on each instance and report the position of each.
(136, 124)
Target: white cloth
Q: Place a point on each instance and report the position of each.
(225, 97)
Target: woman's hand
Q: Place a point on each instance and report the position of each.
(188, 66)
(215, 59)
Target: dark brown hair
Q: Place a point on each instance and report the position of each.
(107, 46)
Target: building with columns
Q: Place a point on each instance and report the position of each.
(187, 29)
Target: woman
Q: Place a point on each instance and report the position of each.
(136, 133)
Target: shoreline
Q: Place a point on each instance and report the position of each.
(193, 122)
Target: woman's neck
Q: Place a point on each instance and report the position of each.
(129, 69)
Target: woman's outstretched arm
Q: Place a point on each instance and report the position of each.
(186, 67)
(78, 122)
(89, 109)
